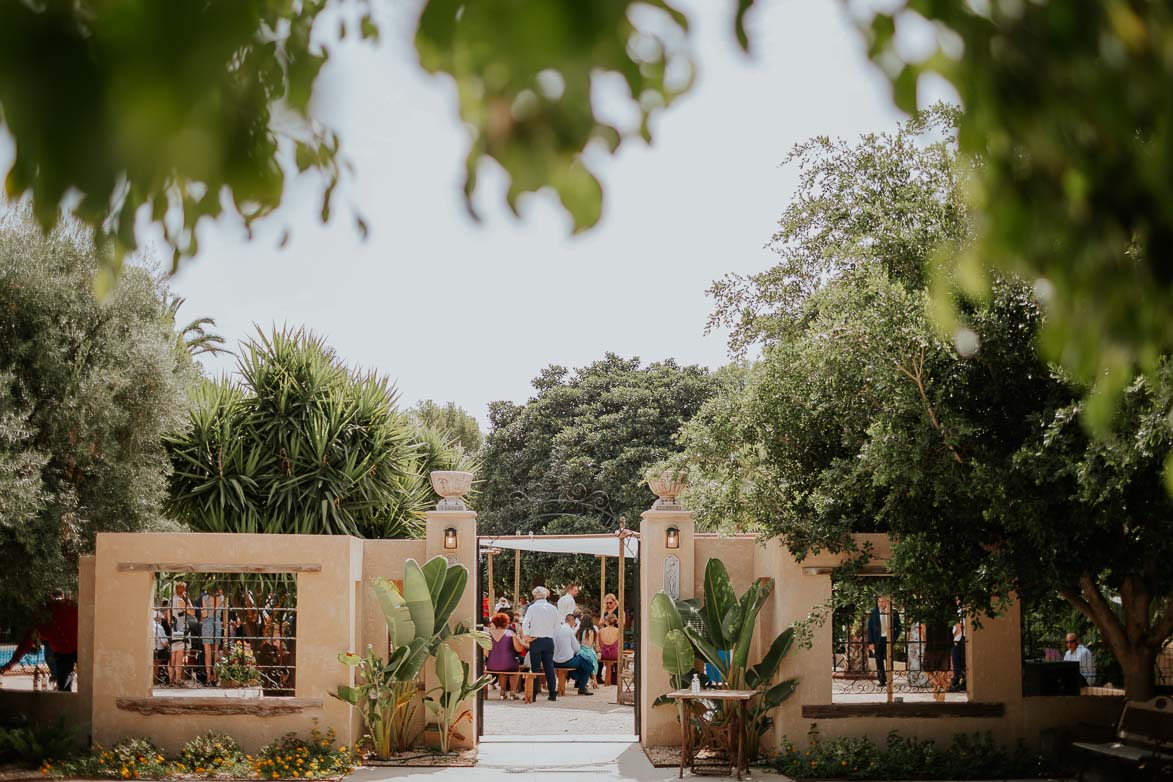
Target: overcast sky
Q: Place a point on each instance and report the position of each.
(454, 310)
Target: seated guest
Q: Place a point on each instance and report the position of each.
(609, 644)
(1077, 652)
(502, 656)
(588, 641)
(610, 608)
(566, 648)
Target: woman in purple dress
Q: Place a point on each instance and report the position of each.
(503, 655)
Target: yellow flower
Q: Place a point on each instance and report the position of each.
(125, 772)
(274, 775)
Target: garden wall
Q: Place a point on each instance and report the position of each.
(994, 669)
(335, 613)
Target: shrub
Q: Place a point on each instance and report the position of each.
(213, 754)
(31, 745)
(128, 759)
(290, 757)
(971, 756)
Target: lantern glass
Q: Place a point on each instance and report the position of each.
(672, 538)
(450, 539)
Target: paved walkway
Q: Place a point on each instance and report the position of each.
(570, 715)
(544, 762)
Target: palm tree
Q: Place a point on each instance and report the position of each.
(195, 337)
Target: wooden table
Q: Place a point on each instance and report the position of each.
(742, 697)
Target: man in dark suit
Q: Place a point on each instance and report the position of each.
(883, 628)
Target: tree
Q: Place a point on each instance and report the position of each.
(1072, 175)
(197, 337)
(87, 389)
(302, 444)
(573, 457)
(182, 112)
(450, 418)
(969, 450)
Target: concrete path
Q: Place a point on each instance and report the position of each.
(544, 761)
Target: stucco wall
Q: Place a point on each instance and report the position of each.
(994, 664)
(327, 606)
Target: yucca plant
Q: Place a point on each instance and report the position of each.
(720, 632)
(301, 444)
(417, 627)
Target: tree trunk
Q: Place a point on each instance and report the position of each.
(1135, 642)
(1140, 672)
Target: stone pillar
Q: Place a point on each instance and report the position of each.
(452, 513)
(661, 569)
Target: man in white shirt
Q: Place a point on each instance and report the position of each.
(566, 648)
(566, 604)
(1077, 652)
(539, 626)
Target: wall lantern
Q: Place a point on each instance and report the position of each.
(450, 540)
(672, 537)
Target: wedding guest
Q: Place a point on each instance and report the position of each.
(502, 656)
(566, 649)
(538, 628)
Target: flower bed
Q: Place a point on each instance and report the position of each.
(213, 756)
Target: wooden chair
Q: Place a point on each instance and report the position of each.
(626, 691)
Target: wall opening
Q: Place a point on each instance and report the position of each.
(223, 634)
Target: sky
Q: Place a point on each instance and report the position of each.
(453, 310)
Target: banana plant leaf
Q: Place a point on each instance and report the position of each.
(663, 618)
(731, 623)
(400, 626)
(765, 670)
(449, 673)
(346, 694)
(774, 696)
(707, 651)
(751, 604)
(678, 655)
(413, 660)
(434, 571)
(452, 589)
(719, 597)
(419, 599)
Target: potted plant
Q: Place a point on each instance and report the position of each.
(238, 668)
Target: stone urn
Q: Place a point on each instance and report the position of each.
(667, 486)
(451, 485)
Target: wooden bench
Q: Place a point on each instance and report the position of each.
(531, 680)
(610, 671)
(1144, 739)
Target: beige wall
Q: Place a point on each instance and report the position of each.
(994, 664)
(326, 618)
